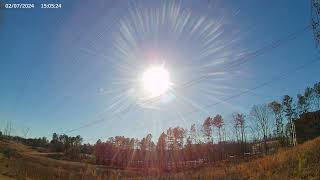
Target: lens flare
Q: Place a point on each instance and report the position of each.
(197, 48)
(156, 81)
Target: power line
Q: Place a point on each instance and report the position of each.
(242, 60)
(280, 76)
(275, 78)
(101, 120)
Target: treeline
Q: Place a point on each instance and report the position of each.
(262, 130)
(71, 147)
(265, 128)
(171, 151)
(33, 142)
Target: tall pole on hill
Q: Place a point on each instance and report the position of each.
(315, 20)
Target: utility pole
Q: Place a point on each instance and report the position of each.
(315, 20)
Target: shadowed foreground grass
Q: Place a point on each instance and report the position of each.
(302, 162)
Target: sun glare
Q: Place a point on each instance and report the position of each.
(156, 80)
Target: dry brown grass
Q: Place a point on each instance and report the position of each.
(301, 162)
(22, 162)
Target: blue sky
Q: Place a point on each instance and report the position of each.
(57, 64)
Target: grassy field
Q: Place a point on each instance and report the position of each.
(22, 162)
(301, 162)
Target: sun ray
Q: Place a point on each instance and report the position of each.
(193, 47)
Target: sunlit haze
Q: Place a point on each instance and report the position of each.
(159, 89)
(156, 80)
(106, 68)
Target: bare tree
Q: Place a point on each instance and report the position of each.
(218, 122)
(161, 149)
(196, 134)
(179, 135)
(239, 124)
(193, 134)
(277, 110)
(290, 113)
(207, 129)
(260, 114)
(8, 128)
(302, 104)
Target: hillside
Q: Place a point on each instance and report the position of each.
(308, 126)
(20, 161)
(301, 162)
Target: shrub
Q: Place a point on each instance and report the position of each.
(8, 152)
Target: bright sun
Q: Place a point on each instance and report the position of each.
(156, 80)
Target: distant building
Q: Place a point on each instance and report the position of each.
(258, 147)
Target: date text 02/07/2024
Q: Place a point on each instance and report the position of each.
(28, 6)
